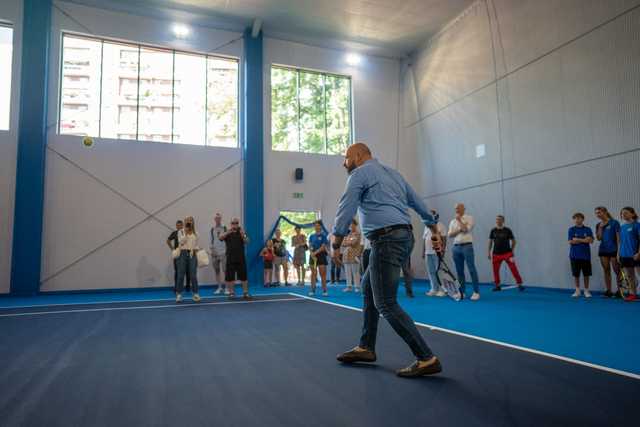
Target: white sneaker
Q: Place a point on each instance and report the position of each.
(178, 297)
(218, 291)
(358, 290)
(347, 289)
(431, 293)
(325, 294)
(576, 294)
(441, 293)
(312, 293)
(196, 297)
(587, 294)
(227, 292)
(475, 296)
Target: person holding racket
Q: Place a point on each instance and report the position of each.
(318, 246)
(630, 249)
(608, 234)
(383, 198)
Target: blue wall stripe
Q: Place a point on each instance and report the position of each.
(252, 126)
(32, 139)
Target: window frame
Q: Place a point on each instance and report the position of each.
(139, 46)
(10, 25)
(298, 70)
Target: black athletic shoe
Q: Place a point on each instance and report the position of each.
(409, 294)
(496, 289)
(521, 288)
(415, 370)
(618, 294)
(607, 294)
(357, 355)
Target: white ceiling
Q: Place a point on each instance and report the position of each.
(386, 27)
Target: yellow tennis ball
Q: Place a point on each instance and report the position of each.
(87, 141)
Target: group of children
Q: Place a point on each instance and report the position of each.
(619, 251)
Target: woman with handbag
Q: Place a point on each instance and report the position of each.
(187, 260)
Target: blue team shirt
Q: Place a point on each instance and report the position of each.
(629, 239)
(318, 239)
(609, 243)
(382, 197)
(581, 250)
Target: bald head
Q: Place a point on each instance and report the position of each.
(356, 155)
(460, 209)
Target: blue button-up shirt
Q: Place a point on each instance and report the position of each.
(383, 198)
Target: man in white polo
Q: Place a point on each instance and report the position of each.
(460, 230)
(218, 252)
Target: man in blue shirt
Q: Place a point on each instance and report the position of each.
(383, 198)
(318, 245)
(580, 238)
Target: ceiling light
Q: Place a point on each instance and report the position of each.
(181, 31)
(353, 58)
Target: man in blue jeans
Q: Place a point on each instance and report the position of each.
(460, 230)
(383, 198)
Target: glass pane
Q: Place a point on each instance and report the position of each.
(189, 99)
(284, 109)
(312, 129)
(6, 54)
(119, 91)
(80, 90)
(155, 95)
(222, 102)
(338, 114)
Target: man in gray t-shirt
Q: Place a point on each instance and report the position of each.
(218, 252)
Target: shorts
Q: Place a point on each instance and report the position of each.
(236, 271)
(218, 262)
(629, 262)
(605, 254)
(268, 265)
(279, 260)
(321, 259)
(581, 266)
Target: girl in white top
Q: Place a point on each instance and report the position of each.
(187, 261)
(429, 254)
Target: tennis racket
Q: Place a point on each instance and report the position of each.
(446, 279)
(623, 284)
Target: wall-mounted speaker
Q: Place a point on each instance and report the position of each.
(299, 174)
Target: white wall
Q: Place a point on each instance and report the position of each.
(375, 109)
(553, 91)
(11, 12)
(97, 231)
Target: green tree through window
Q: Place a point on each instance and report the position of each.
(310, 111)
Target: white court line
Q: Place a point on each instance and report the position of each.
(500, 343)
(71, 304)
(504, 288)
(177, 305)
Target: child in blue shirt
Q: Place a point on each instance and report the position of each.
(580, 239)
(630, 248)
(608, 233)
(318, 248)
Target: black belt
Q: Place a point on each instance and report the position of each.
(463, 244)
(385, 230)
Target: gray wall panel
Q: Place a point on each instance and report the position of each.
(454, 134)
(531, 28)
(456, 63)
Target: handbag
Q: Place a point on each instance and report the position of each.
(203, 258)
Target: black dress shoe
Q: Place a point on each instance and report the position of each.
(357, 355)
(496, 288)
(416, 370)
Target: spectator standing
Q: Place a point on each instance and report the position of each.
(502, 244)
(187, 261)
(299, 243)
(172, 242)
(580, 238)
(460, 230)
(351, 252)
(608, 234)
(431, 258)
(630, 248)
(236, 268)
(318, 244)
(218, 252)
(280, 259)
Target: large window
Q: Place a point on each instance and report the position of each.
(310, 111)
(125, 91)
(6, 55)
